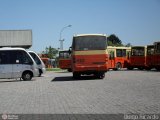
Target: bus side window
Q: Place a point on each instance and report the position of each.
(124, 53)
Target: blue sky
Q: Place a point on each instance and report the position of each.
(133, 21)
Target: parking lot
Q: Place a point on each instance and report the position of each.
(125, 92)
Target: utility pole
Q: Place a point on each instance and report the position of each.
(60, 39)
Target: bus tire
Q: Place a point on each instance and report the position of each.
(141, 68)
(130, 68)
(148, 68)
(76, 75)
(69, 70)
(158, 68)
(27, 75)
(100, 75)
(118, 66)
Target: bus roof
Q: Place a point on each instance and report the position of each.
(78, 35)
(63, 50)
(156, 42)
(138, 46)
(150, 45)
(119, 47)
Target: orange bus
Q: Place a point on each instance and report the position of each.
(138, 57)
(45, 61)
(65, 60)
(118, 57)
(150, 57)
(157, 55)
(89, 55)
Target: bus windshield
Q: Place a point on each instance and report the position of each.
(64, 54)
(158, 48)
(150, 50)
(89, 43)
(137, 51)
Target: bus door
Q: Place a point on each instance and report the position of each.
(128, 58)
(150, 56)
(120, 57)
(111, 61)
(157, 54)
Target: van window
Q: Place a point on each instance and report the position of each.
(36, 59)
(4, 57)
(14, 57)
(26, 58)
(17, 57)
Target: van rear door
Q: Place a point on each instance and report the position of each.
(17, 60)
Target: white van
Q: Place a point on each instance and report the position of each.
(17, 63)
(39, 62)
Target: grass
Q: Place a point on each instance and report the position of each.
(53, 69)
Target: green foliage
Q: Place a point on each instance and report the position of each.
(128, 45)
(113, 40)
(51, 52)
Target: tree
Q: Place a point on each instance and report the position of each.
(128, 45)
(113, 40)
(51, 52)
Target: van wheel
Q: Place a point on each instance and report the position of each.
(40, 73)
(27, 76)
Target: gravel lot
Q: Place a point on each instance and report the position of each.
(120, 92)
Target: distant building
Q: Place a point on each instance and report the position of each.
(16, 38)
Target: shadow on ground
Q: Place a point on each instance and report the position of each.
(70, 78)
(5, 81)
(13, 80)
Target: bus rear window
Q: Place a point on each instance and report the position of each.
(64, 54)
(89, 43)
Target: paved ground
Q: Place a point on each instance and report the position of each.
(124, 92)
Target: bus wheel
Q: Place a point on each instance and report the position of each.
(157, 68)
(148, 68)
(27, 76)
(69, 70)
(100, 75)
(130, 68)
(118, 66)
(140, 68)
(76, 75)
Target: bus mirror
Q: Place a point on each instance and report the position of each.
(70, 50)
